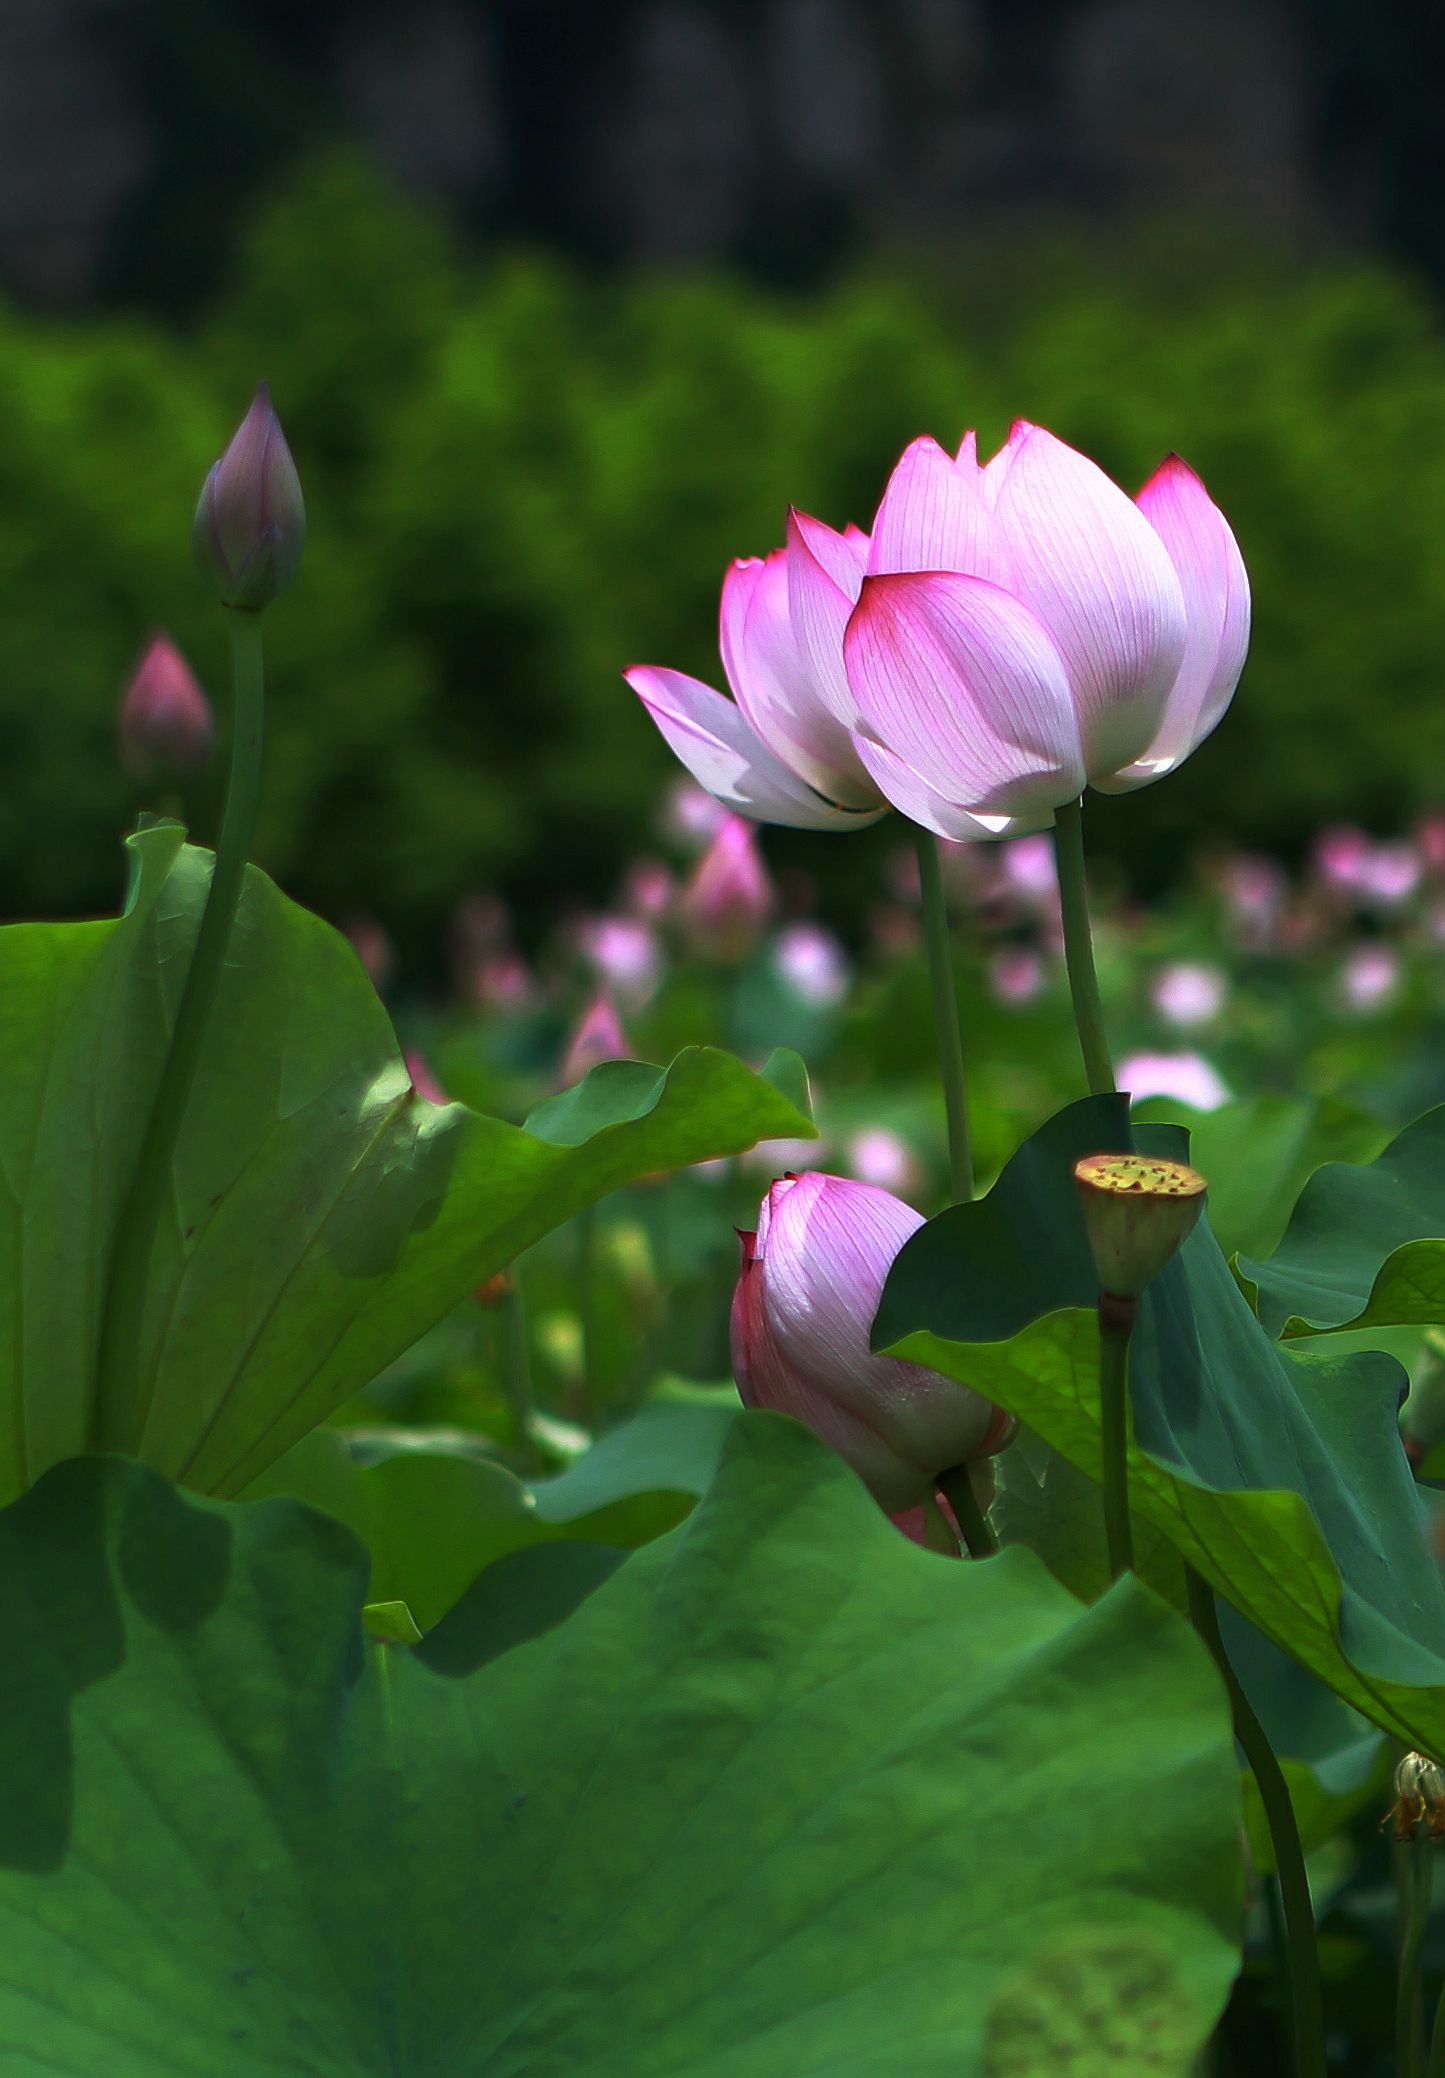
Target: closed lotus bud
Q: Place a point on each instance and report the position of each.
(599, 1037)
(166, 730)
(1138, 1213)
(250, 524)
(730, 897)
(811, 1279)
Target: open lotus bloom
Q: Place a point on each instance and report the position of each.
(776, 751)
(1024, 628)
(1010, 633)
(811, 1279)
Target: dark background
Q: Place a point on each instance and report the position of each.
(562, 304)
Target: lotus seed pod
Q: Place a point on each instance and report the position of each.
(1139, 1210)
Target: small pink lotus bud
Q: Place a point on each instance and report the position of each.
(625, 955)
(729, 897)
(1139, 1210)
(598, 1037)
(879, 1157)
(1188, 992)
(166, 730)
(801, 1316)
(812, 962)
(250, 524)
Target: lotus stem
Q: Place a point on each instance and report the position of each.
(1306, 1999)
(1079, 947)
(974, 1526)
(945, 1017)
(1116, 1329)
(124, 1389)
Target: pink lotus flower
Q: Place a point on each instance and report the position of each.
(729, 897)
(166, 730)
(1187, 1078)
(777, 751)
(1370, 977)
(599, 1037)
(810, 1283)
(1024, 627)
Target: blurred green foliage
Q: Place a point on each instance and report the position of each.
(521, 478)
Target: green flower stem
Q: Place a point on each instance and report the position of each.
(945, 1016)
(1306, 2002)
(516, 1364)
(1415, 1871)
(1436, 2066)
(587, 1311)
(978, 1536)
(1079, 947)
(123, 1390)
(1116, 1326)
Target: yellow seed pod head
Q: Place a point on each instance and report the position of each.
(1138, 1212)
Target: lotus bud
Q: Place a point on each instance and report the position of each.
(1419, 1795)
(423, 1079)
(598, 1037)
(250, 524)
(729, 897)
(166, 730)
(1139, 1210)
(811, 1278)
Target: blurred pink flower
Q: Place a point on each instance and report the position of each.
(1254, 890)
(422, 1079)
(690, 816)
(374, 949)
(648, 889)
(502, 982)
(769, 1156)
(598, 1037)
(876, 1156)
(1370, 977)
(1016, 975)
(1186, 1078)
(729, 896)
(811, 960)
(1338, 854)
(1390, 875)
(802, 1313)
(1029, 871)
(1430, 843)
(167, 733)
(1188, 993)
(625, 955)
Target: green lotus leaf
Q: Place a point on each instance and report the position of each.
(1365, 1245)
(1277, 1471)
(755, 1806)
(324, 1214)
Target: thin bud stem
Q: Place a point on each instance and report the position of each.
(1079, 947)
(124, 1385)
(1306, 2001)
(945, 1017)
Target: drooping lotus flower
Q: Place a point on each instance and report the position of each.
(811, 1279)
(1024, 627)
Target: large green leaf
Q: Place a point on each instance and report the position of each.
(324, 1214)
(1365, 1246)
(433, 1518)
(1279, 1473)
(785, 1794)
